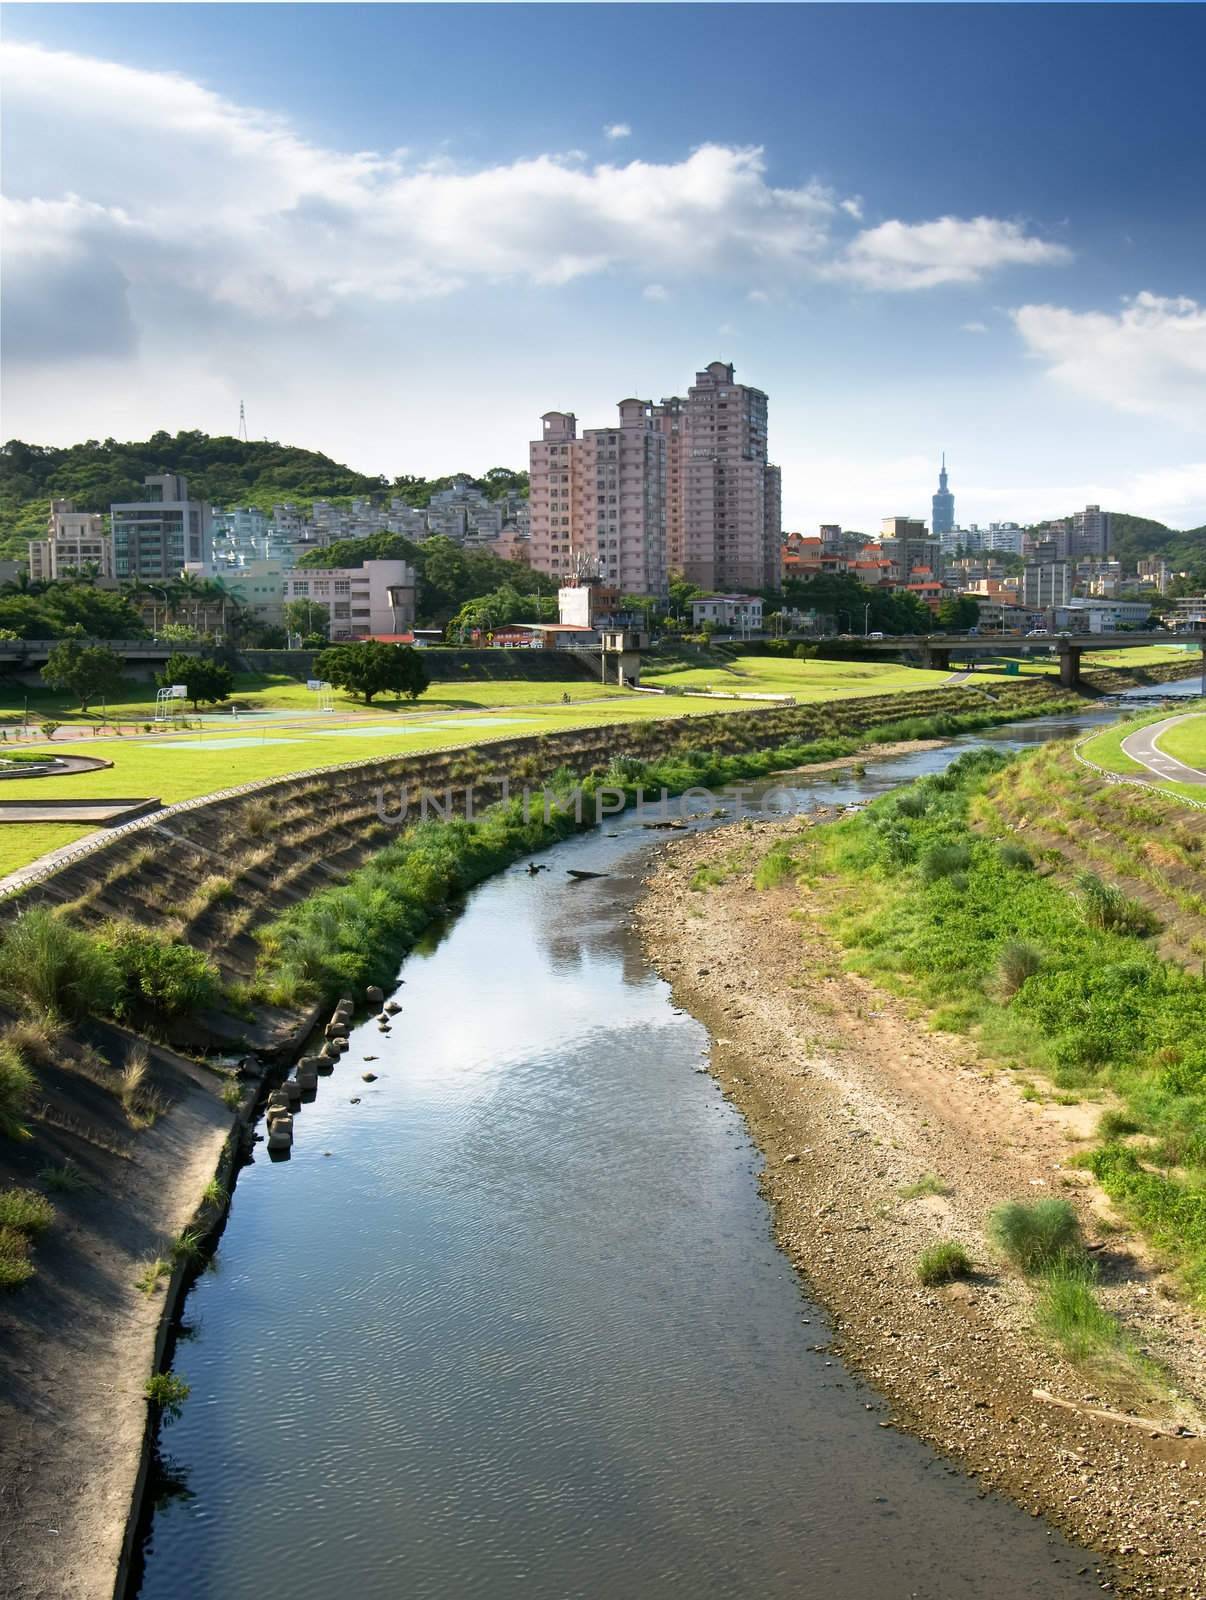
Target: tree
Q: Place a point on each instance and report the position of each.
(89, 672)
(307, 616)
(204, 678)
(370, 668)
(958, 614)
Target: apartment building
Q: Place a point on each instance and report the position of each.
(597, 502)
(1046, 584)
(909, 548)
(732, 511)
(377, 598)
(74, 540)
(158, 536)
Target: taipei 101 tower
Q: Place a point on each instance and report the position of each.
(944, 505)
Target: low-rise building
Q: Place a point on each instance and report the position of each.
(377, 598)
(75, 540)
(738, 613)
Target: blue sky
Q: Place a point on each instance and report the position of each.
(399, 233)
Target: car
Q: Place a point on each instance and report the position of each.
(875, 636)
(1037, 633)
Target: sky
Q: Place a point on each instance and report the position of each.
(399, 233)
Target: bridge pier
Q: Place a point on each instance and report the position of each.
(936, 658)
(1069, 666)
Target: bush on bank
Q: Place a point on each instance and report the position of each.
(1039, 976)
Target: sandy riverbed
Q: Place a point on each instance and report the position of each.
(851, 1100)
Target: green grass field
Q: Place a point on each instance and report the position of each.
(1105, 749)
(1187, 742)
(806, 680)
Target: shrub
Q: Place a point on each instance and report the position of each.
(167, 1391)
(25, 1209)
(1105, 907)
(149, 1278)
(17, 1085)
(1115, 1125)
(943, 1263)
(1017, 962)
(1015, 855)
(54, 967)
(232, 1095)
(1036, 1237)
(776, 867)
(155, 974)
(15, 1266)
(944, 861)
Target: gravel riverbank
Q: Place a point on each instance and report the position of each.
(852, 1100)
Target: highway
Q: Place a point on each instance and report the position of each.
(1143, 747)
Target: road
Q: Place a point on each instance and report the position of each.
(1143, 747)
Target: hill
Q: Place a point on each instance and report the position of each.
(1133, 537)
(220, 469)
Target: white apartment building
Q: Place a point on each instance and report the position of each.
(158, 536)
(74, 540)
(377, 598)
(597, 503)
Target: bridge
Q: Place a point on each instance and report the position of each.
(936, 650)
(33, 652)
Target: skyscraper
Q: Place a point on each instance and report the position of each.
(943, 519)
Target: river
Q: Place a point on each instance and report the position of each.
(511, 1323)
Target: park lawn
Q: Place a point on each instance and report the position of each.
(1187, 742)
(135, 702)
(806, 680)
(1105, 749)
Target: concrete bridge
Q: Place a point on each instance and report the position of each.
(33, 652)
(936, 650)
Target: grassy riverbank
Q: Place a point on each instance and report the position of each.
(355, 932)
(1050, 978)
(1187, 743)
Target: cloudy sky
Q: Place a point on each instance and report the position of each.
(399, 234)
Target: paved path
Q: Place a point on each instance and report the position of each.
(1143, 747)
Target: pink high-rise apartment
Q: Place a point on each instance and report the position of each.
(682, 486)
(732, 511)
(598, 503)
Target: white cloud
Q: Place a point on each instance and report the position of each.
(758, 297)
(617, 130)
(655, 291)
(176, 203)
(973, 327)
(853, 207)
(922, 255)
(1150, 357)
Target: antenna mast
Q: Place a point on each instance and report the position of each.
(242, 423)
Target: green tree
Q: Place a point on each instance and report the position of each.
(370, 668)
(204, 678)
(958, 614)
(307, 617)
(89, 672)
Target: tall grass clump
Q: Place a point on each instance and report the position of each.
(16, 1267)
(777, 866)
(17, 1088)
(1106, 907)
(1036, 1237)
(156, 975)
(1017, 963)
(24, 1213)
(51, 967)
(943, 1263)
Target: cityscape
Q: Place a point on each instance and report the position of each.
(602, 801)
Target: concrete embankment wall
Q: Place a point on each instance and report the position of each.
(211, 871)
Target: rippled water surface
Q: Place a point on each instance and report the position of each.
(513, 1325)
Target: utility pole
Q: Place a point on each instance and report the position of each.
(242, 423)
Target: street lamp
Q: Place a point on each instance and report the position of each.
(866, 618)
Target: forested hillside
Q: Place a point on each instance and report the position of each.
(223, 470)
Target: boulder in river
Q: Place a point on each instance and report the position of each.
(373, 995)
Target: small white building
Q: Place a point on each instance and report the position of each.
(74, 540)
(377, 598)
(738, 613)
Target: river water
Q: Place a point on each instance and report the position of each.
(511, 1323)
